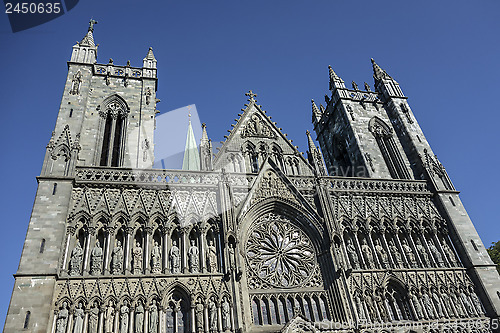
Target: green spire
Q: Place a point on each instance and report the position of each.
(191, 155)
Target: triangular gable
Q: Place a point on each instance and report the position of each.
(121, 206)
(271, 182)
(299, 324)
(255, 126)
(102, 205)
(157, 206)
(83, 204)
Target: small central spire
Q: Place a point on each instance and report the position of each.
(191, 159)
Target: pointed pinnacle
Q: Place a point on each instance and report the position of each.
(312, 146)
(378, 72)
(333, 75)
(315, 109)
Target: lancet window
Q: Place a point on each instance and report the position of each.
(113, 128)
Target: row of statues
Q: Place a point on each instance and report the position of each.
(123, 314)
(379, 256)
(117, 259)
(424, 305)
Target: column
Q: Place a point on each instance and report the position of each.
(86, 251)
(431, 256)
(202, 241)
(161, 320)
(356, 241)
(386, 245)
(220, 256)
(109, 232)
(69, 326)
(85, 321)
(146, 319)
(205, 315)
(114, 117)
(372, 246)
(126, 249)
(100, 325)
(69, 234)
(185, 245)
(403, 254)
(231, 314)
(193, 318)
(131, 319)
(446, 260)
(165, 251)
(219, 317)
(147, 238)
(412, 245)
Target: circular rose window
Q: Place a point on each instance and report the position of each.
(280, 253)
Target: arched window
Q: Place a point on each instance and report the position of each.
(113, 115)
(27, 319)
(385, 140)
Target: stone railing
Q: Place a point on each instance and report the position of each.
(376, 185)
(124, 71)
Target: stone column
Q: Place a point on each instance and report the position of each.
(185, 245)
(86, 252)
(374, 252)
(205, 315)
(193, 318)
(100, 325)
(401, 250)
(202, 241)
(356, 244)
(386, 245)
(131, 319)
(146, 248)
(114, 117)
(219, 317)
(420, 263)
(165, 251)
(218, 246)
(146, 319)
(440, 249)
(429, 253)
(126, 249)
(231, 315)
(85, 321)
(69, 325)
(69, 235)
(109, 232)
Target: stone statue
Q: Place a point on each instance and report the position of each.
(437, 304)
(361, 310)
(354, 85)
(339, 256)
(371, 308)
(212, 257)
(409, 254)
(449, 253)
(117, 259)
(78, 317)
(139, 318)
(153, 318)
(367, 87)
(398, 260)
(175, 258)
(423, 253)
(367, 252)
(476, 302)
(437, 255)
(457, 304)
(109, 318)
(212, 315)
(466, 303)
(193, 256)
(62, 318)
(124, 313)
(232, 256)
(199, 316)
(417, 306)
(156, 259)
(96, 257)
(226, 315)
(353, 256)
(137, 258)
(76, 83)
(382, 253)
(93, 318)
(382, 310)
(428, 305)
(76, 260)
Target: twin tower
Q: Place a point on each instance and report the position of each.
(366, 232)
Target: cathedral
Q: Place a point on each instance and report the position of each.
(364, 233)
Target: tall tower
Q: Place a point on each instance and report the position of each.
(106, 119)
(374, 134)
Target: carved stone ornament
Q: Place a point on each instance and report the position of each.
(257, 128)
(280, 253)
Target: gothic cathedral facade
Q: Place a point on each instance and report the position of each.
(366, 234)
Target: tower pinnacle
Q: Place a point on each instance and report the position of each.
(191, 155)
(335, 80)
(379, 73)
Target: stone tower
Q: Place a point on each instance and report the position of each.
(367, 234)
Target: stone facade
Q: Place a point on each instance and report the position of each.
(371, 238)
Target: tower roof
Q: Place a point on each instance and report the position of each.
(191, 155)
(310, 142)
(150, 55)
(88, 40)
(204, 134)
(378, 72)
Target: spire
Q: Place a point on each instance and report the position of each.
(191, 155)
(316, 113)
(150, 60)
(310, 142)
(379, 73)
(335, 80)
(314, 156)
(88, 40)
(204, 135)
(205, 150)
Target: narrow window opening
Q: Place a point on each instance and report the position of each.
(71, 113)
(54, 189)
(117, 142)
(42, 246)
(418, 138)
(474, 245)
(452, 202)
(498, 294)
(105, 141)
(27, 319)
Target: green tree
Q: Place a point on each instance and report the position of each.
(494, 252)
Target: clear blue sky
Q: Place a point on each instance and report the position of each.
(445, 55)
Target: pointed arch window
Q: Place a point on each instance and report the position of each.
(385, 140)
(113, 123)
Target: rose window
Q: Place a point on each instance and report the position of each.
(279, 253)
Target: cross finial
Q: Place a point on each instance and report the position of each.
(92, 22)
(251, 95)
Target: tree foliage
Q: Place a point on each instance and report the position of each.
(494, 252)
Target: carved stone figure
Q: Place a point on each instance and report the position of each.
(124, 313)
(447, 304)
(372, 313)
(212, 315)
(457, 304)
(466, 303)
(361, 310)
(368, 254)
(117, 259)
(353, 255)
(153, 318)
(382, 310)
(423, 253)
(175, 258)
(93, 318)
(398, 260)
(437, 255)
(109, 318)
(62, 319)
(232, 257)
(449, 253)
(199, 316)
(340, 257)
(418, 307)
(428, 305)
(139, 318)
(194, 258)
(96, 259)
(382, 253)
(437, 304)
(226, 316)
(476, 302)
(212, 257)
(156, 259)
(76, 260)
(78, 317)
(137, 258)
(76, 83)
(410, 256)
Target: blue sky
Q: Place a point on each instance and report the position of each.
(444, 54)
